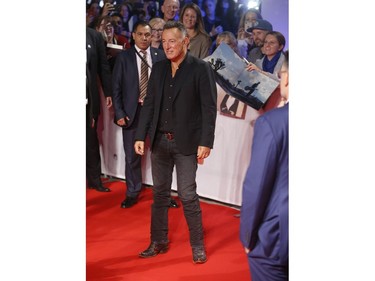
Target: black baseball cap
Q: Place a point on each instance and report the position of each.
(260, 24)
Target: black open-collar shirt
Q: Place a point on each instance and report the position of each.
(170, 84)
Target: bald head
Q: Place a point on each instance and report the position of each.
(170, 9)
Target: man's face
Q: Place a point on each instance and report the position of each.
(117, 24)
(284, 82)
(209, 7)
(142, 37)
(170, 9)
(94, 9)
(174, 44)
(259, 35)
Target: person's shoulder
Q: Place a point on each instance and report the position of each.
(255, 50)
(195, 63)
(198, 65)
(203, 36)
(277, 115)
(160, 64)
(157, 52)
(281, 58)
(90, 32)
(127, 53)
(190, 59)
(277, 111)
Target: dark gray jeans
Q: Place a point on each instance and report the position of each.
(164, 157)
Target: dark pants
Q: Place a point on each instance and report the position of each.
(133, 172)
(93, 161)
(133, 168)
(164, 157)
(263, 269)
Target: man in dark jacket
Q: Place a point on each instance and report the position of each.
(179, 115)
(128, 101)
(98, 74)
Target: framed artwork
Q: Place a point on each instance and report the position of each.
(250, 87)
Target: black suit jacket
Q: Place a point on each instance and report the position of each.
(194, 104)
(125, 82)
(96, 66)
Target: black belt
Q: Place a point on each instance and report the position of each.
(168, 135)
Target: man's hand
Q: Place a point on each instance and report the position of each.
(216, 30)
(108, 7)
(139, 147)
(108, 102)
(123, 121)
(203, 152)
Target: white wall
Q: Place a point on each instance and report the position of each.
(277, 13)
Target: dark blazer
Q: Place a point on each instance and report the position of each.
(194, 104)
(96, 65)
(125, 82)
(264, 211)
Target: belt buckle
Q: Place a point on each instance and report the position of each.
(169, 136)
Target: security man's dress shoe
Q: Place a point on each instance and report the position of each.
(199, 255)
(100, 188)
(154, 249)
(129, 202)
(173, 203)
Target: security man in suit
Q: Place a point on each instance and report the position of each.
(179, 115)
(97, 68)
(127, 100)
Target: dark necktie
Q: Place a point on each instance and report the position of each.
(144, 77)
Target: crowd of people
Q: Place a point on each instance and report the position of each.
(204, 19)
(148, 56)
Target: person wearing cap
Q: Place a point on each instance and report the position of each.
(259, 29)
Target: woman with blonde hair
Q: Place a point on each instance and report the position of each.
(157, 25)
(200, 41)
(228, 38)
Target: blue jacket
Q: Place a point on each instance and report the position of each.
(264, 210)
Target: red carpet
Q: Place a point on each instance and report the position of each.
(115, 236)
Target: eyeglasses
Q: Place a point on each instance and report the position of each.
(272, 43)
(157, 30)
